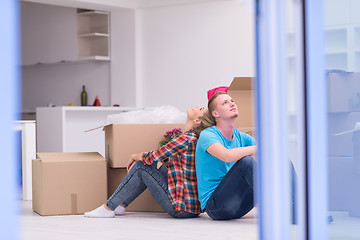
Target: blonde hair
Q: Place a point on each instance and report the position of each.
(205, 121)
(208, 120)
(211, 104)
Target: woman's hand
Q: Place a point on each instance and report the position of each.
(133, 159)
(130, 164)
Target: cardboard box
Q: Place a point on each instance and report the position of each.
(144, 203)
(68, 183)
(122, 140)
(242, 92)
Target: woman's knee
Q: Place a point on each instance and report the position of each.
(140, 165)
(138, 168)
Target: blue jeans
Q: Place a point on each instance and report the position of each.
(234, 197)
(139, 178)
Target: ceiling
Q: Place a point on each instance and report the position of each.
(114, 4)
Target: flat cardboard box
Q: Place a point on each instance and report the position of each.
(242, 92)
(144, 203)
(68, 183)
(122, 140)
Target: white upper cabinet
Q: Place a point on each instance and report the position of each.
(93, 35)
(48, 33)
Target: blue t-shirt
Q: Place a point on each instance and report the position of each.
(209, 169)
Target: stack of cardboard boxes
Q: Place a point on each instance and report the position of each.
(73, 183)
(242, 92)
(122, 140)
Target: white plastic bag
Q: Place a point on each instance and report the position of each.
(162, 114)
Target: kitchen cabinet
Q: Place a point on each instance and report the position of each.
(48, 33)
(93, 35)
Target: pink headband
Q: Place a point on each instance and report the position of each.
(211, 92)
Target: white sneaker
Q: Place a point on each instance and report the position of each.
(119, 210)
(100, 212)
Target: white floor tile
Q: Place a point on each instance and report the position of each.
(134, 225)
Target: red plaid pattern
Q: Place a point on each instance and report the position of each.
(182, 184)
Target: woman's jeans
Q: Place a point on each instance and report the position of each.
(234, 197)
(137, 180)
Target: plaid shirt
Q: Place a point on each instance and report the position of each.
(182, 184)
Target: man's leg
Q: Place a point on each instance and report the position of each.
(234, 197)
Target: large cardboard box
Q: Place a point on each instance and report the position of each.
(242, 92)
(144, 203)
(122, 140)
(68, 183)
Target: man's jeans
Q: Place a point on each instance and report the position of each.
(234, 197)
(137, 180)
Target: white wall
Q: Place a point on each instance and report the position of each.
(62, 84)
(123, 57)
(191, 48)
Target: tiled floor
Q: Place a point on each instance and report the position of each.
(134, 226)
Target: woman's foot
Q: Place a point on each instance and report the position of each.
(100, 212)
(119, 210)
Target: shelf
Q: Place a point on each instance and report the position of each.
(93, 108)
(80, 60)
(48, 63)
(92, 13)
(94, 35)
(338, 51)
(94, 58)
(93, 21)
